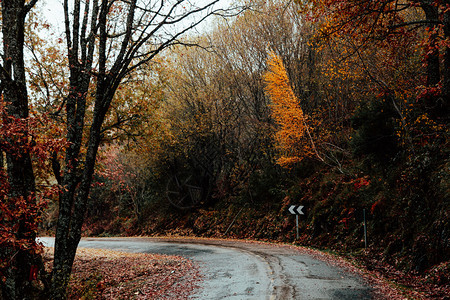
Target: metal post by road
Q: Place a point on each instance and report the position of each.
(365, 228)
(296, 223)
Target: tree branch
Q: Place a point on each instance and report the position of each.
(420, 22)
(29, 6)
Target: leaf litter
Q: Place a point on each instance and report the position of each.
(107, 274)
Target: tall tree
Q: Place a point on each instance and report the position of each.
(106, 40)
(287, 113)
(20, 176)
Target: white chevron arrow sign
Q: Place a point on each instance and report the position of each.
(296, 209)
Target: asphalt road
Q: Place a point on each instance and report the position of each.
(239, 270)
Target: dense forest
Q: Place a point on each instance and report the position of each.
(339, 106)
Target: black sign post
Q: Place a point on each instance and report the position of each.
(296, 210)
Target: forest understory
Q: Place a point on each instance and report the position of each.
(333, 222)
(123, 124)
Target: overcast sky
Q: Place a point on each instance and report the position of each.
(53, 12)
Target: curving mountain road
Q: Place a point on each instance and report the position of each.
(243, 270)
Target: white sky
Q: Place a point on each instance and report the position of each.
(53, 12)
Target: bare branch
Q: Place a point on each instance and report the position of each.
(29, 6)
(420, 22)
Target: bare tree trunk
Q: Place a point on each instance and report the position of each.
(432, 104)
(73, 207)
(87, 33)
(17, 284)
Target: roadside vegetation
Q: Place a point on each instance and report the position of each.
(354, 136)
(339, 106)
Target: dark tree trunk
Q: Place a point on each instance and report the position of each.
(17, 284)
(2, 161)
(66, 241)
(432, 57)
(74, 179)
(73, 205)
(83, 36)
(446, 70)
(436, 106)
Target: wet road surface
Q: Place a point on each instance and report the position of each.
(240, 270)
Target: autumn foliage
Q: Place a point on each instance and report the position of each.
(344, 100)
(346, 115)
(292, 137)
(22, 215)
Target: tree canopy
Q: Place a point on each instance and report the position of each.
(132, 120)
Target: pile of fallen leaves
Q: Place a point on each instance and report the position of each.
(434, 284)
(104, 274)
